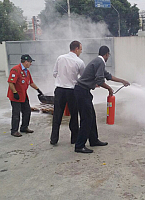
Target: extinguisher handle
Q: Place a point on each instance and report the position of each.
(118, 89)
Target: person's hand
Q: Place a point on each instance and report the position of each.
(110, 91)
(39, 91)
(16, 96)
(125, 83)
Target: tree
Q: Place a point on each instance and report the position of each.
(49, 14)
(129, 15)
(12, 22)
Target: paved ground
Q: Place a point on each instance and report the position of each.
(32, 169)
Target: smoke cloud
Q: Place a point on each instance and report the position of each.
(133, 104)
(77, 27)
(56, 37)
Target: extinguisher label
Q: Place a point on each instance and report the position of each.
(109, 105)
(107, 111)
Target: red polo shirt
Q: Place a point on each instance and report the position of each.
(21, 81)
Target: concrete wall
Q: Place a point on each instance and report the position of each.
(129, 54)
(3, 57)
(141, 33)
(45, 54)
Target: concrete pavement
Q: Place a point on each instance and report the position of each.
(32, 169)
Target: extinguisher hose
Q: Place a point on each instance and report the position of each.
(118, 89)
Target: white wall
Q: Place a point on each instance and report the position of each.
(3, 58)
(129, 54)
(141, 33)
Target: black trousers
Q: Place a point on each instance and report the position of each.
(18, 107)
(88, 125)
(61, 97)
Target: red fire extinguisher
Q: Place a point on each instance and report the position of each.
(66, 111)
(111, 108)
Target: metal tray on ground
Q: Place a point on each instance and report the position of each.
(46, 99)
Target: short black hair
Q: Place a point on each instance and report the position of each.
(103, 50)
(74, 45)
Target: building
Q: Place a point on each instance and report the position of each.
(141, 31)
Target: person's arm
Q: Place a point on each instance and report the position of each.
(104, 85)
(124, 82)
(33, 85)
(55, 69)
(82, 68)
(12, 87)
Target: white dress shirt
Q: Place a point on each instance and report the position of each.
(102, 59)
(67, 69)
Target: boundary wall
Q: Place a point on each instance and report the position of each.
(127, 58)
(45, 53)
(3, 58)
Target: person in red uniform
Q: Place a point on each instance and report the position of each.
(19, 80)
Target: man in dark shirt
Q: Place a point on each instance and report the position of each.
(93, 76)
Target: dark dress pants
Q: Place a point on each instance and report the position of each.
(88, 125)
(18, 107)
(61, 97)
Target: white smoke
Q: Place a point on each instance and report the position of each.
(77, 27)
(57, 36)
(134, 104)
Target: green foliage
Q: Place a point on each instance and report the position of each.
(129, 15)
(12, 22)
(50, 14)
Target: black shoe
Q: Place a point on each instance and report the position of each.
(27, 131)
(16, 134)
(99, 143)
(84, 150)
(53, 143)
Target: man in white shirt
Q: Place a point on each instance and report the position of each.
(67, 70)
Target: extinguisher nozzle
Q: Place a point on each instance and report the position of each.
(118, 89)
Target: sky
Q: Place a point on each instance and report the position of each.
(30, 7)
(34, 7)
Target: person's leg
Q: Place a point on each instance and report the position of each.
(16, 108)
(59, 106)
(93, 136)
(26, 113)
(84, 101)
(73, 124)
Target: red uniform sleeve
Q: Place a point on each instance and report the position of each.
(13, 76)
(31, 80)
